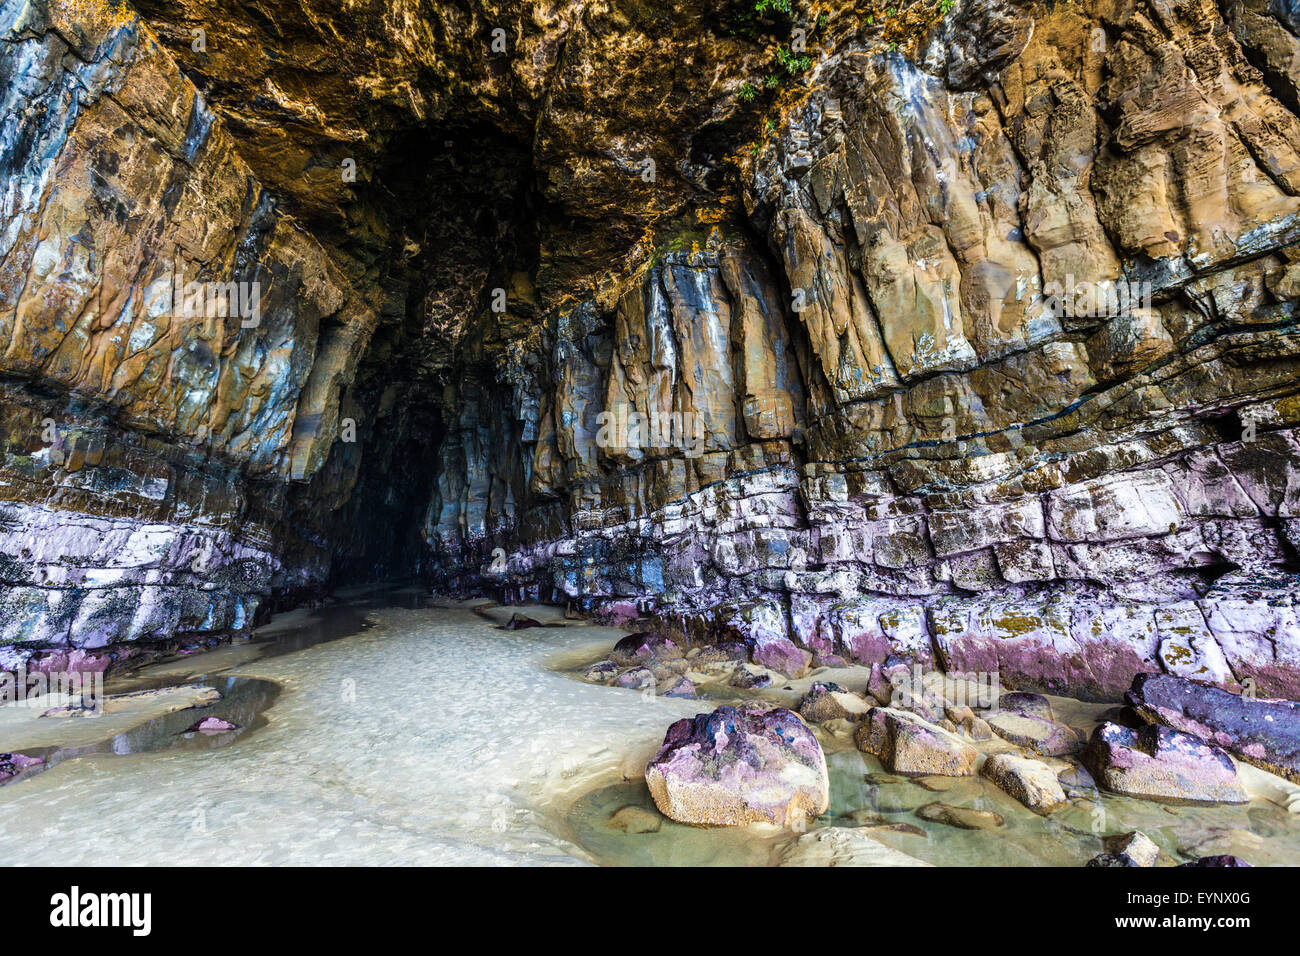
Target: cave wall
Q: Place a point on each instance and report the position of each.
(915, 441)
(898, 432)
(148, 449)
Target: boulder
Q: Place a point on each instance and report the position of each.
(1032, 782)
(966, 818)
(907, 744)
(1260, 731)
(1026, 704)
(643, 647)
(737, 766)
(1038, 734)
(1160, 763)
(826, 701)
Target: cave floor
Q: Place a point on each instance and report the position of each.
(428, 735)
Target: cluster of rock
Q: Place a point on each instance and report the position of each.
(755, 763)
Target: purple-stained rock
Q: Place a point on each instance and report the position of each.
(879, 687)
(1260, 731)
(826, 701)
(1225, 859)
(635, 678)
(681, 688)
(644, 647)
(11, 765)
(750, 678)
(212, 725)
(1160, 763)
(737, 766)
(905, 743)
(1026, 704)
(728, 652)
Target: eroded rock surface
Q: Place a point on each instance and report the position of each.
(732, 767)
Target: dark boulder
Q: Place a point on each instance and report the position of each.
(1260, 731)
(1160, 763)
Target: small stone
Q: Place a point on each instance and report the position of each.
(977, 728)
(212, 725)
(878, 687)
(601, 672)
(635, 678)
(963, 817)
(519, 622)
(634, 819)
(681, 688)
(1136, 846)
(826, 701)
(958, 713)
(750, 678)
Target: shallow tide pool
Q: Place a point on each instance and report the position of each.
(376, 733)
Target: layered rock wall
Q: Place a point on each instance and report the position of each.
(149, 435)
(1000, 369)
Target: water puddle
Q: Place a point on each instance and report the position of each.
(863, 795)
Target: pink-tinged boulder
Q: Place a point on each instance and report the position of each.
(11, 765)
(1263, 732)
(212, 725)
(907, 744)
(733, 767)
(643, 647)
(1159, 763)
